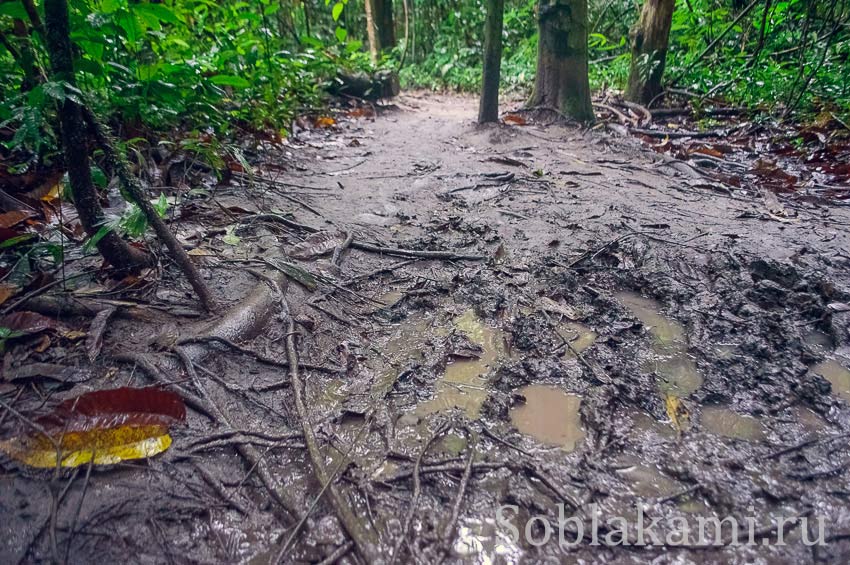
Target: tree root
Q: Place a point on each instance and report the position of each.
(362, 538)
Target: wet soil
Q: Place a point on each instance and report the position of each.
(629, 341)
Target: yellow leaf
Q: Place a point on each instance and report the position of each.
(101, 446)
(677, 412)
(324, 122)
(53, 193)
(74, 335)
(198, 252)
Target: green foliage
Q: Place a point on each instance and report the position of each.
(190, 64)
(784, 72)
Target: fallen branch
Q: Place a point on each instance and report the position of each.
(132, 185)
(362, 538)
(417, 491)
(372, 247)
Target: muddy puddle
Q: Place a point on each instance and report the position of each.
(669, 357)
(837, 375)
(464, 383)
(549, 415)
(727, 423)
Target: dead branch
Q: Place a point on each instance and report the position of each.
(417, 491)
(362, 538)
(132, 185)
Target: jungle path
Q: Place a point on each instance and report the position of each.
(627, 335)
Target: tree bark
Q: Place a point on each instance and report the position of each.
(379, 26)
(488, 108)
(562, 82)
(115, 250)
(650, 41)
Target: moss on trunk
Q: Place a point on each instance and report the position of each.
(562, 80)
(650, 40)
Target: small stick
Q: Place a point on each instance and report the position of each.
(417, 491)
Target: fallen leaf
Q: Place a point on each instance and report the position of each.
(103, 427)
(199, 252)
(53, 193)
(324, 122)
(94, 341)
(299, 275)
(6, 292)
(317, 244)
(61, 373)
(231, 238)
(548, 305)
(677, 413)
(25, 323)
(514, 119)
(13, 218)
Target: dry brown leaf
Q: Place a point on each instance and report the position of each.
(6, 292)
(317, 244)
(13, 218)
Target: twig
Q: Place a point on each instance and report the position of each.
(342, 463)
(73, 527)
(151, 370)
(336, 260)
(257, 356)
(337, 554)
(219, 489)
(417, 491)
(372, 247)
(449, 530)
(361, 537)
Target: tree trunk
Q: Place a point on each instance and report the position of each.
(562, 82)
(115, 250)
(379, 26)
(650, 39)
(488, 108)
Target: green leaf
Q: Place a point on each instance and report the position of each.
(336, 11)
(230, 80)
(13, 10)
(231, 238)
(341, 34)
(159, 11)
(92, 242)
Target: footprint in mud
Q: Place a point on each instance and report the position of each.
(549, 415)
(669, 358)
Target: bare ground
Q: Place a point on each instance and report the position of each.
(690, 321)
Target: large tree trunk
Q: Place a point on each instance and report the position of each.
(379, 26)
(115, 250)
(562, 82)
(488, 108)
(650, 39)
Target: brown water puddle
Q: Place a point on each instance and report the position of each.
(464, 384)
(549, 415)
(724, 422)
(670, 358)
(837, 375)
(579, 336)
(647, 481)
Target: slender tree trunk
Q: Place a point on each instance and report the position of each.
(379, 26)
(115, 250)
(650, 40)
(488, 108)
(562, 82)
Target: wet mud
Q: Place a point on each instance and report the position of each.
(586, 362)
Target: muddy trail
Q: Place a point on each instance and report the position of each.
(489, 324)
